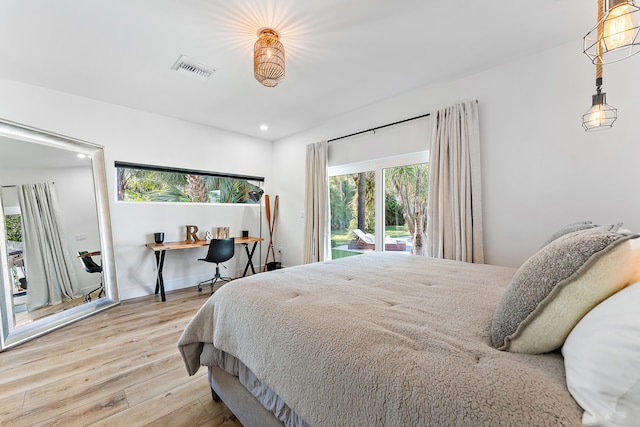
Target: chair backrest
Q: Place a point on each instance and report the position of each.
(220, 250)
(89, 264)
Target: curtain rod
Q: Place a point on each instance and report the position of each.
(379, 127)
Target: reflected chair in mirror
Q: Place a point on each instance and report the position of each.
(90, 266)
(220, 250)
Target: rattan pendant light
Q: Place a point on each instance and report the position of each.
(268, 58)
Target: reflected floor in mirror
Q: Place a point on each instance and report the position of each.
(24, 317)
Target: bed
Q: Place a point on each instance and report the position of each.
(378, 339)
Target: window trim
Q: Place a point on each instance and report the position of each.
(186, 171)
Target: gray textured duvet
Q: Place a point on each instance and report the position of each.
(383, 339)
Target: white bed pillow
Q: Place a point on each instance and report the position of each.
(602, 361)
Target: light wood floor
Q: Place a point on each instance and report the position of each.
(120, 367)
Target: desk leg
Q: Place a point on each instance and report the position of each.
(159, 278)
(249, 258)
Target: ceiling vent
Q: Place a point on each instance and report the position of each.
(186, 65)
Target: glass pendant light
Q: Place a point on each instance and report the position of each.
(601, 115)
(616, 35)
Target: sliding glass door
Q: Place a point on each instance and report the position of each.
(405, 208)
(379, 205)
(352, 213)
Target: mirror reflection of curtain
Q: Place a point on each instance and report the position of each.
(51, 275)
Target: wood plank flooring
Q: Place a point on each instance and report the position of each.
(120, 367)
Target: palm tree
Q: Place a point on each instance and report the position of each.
(410, 186)
(363, 202)
(197, 189)
(230, 190)
(361, 185)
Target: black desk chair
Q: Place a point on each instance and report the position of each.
(220, 250)
(90, 266)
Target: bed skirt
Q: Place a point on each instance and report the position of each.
(252, 401)
(244, 406)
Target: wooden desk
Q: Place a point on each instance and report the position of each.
(160, 249)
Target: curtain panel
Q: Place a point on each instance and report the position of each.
(454, 224)
(316, 203)
(51, 276)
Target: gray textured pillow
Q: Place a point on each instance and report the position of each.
(558, 285)
(577, 226)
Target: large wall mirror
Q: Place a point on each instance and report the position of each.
(56, 251)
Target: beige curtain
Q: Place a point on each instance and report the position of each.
(51, 276)
(454, 224)
(316, 203)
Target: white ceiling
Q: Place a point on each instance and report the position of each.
(340, 54)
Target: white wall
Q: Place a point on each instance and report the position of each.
(541, 170)
(138, 137)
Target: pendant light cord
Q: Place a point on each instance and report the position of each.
(599, 45)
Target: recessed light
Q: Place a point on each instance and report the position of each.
(264, 128)
(81, 156)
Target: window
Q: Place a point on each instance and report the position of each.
(13, 229)
(146, 183)
(386, 199)
(13, 225)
